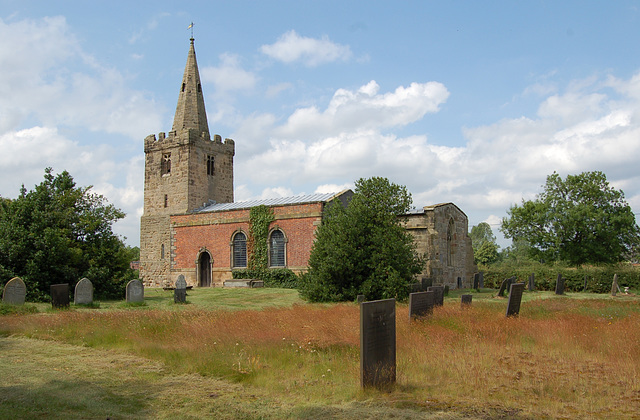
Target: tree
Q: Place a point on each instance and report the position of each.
(363, 248)
(580, 219)
(59, 233)
(483, 241)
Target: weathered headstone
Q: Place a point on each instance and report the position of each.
(426, 283)
(135, 291)
(378, 343)
(515, 298)
(83, 293)
(180, 291)
(614, 285)
(438, 294)
(420, 304)
(60, 295)
(560, 285)
(532, 282)
(459, 283)
(481, 280)
(476, 281)
(360, 298)
(465, 300)
(15, 292)
(506, 284)
(446, 291)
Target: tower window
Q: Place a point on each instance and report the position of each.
(166, 201)
(162, 252)
(184, 85)
(165, 166)
(199, 87)
(210, 165)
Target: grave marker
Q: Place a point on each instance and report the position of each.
(360, 298)
(438, 291)
(506, 284)
(476, 281)
(481, 281)
(135, 291)
(378, 343)
(180, 292)
(420, 304)
(515, 298)
(14, 292)
(465, 300)
(560, 285)
(532, 282)
(83, 292)
(614, 285)
(59, 295)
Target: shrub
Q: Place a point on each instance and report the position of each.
(275, 277)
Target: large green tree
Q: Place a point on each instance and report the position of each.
(580, 219)
(363, 248)
(483, 241)
(59, 233)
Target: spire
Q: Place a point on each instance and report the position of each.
(190, 112)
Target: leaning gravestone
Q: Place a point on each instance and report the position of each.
(420, 304)
(180, 292)
(515, 298)
(438, 294)
(560, 285)
(83, 293)
(532, 282)
(465, 300)
(506, 284)
(135, 291)
(614, 285)
(60, 295)
(378, 343)
(15, 292)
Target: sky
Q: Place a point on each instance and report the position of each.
(469, 102)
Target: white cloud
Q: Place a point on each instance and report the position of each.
(291, 47)
(229, 75)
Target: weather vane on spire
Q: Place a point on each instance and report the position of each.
(191, 27)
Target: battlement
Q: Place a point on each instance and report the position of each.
(173, 139)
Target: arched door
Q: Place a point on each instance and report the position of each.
(204, 269)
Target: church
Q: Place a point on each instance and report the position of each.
(191, 225)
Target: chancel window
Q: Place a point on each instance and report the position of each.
(277, 249)
(239, 250)
(165, 165)
(450, 233)
(210, 165)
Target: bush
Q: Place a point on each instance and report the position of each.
(282, 278)
(599, 278)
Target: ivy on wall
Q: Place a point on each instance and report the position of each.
(260, 218)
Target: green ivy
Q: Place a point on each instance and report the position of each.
(260, 218)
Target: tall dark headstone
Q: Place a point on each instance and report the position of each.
(481, 280)
(476, 281)
(135, 291)
(15, 292)
(60, 295)
(560, 285)
(83, 292)
(515, 298)
(438, 294)
(614, 285)
(180, 291)
(506, 284)
(378, 343)
(421, 304)
(465, 300)
(426, 283)
(532, 282)
(459, 282)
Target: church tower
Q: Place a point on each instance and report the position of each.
(184, 170)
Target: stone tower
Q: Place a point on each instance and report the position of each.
(184, 170)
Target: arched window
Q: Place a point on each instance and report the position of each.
(239, 250)
(450, 234)
(162, 252)
(277, 249)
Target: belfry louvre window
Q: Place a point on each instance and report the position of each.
(210, 165)
(277, 249)
(239, 251)
(165, 165)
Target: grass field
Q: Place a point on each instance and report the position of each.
(252, 353)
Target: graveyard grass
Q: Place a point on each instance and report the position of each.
(251, 353)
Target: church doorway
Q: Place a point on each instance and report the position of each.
(204, 270)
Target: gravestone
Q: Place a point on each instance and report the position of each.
(426, 283)
(614, 285)
(14, 292)
(180, 292)
(481, 280)
(378, 343)
(506, 284)
(60, 295)
(476, 281)
(415, 287)
(446, 291)
(560, 285)
(465, 300)
(135, 291)
(438, 298)
(360, 298)
(83, 293)
(515, 298)
(532, 282)
(459, 282)
(420, 304)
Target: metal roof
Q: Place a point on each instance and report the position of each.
(301, 199)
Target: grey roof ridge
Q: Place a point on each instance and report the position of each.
(280, 201)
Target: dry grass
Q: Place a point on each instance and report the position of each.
(561, 358)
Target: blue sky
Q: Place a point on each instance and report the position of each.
(467, 102)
